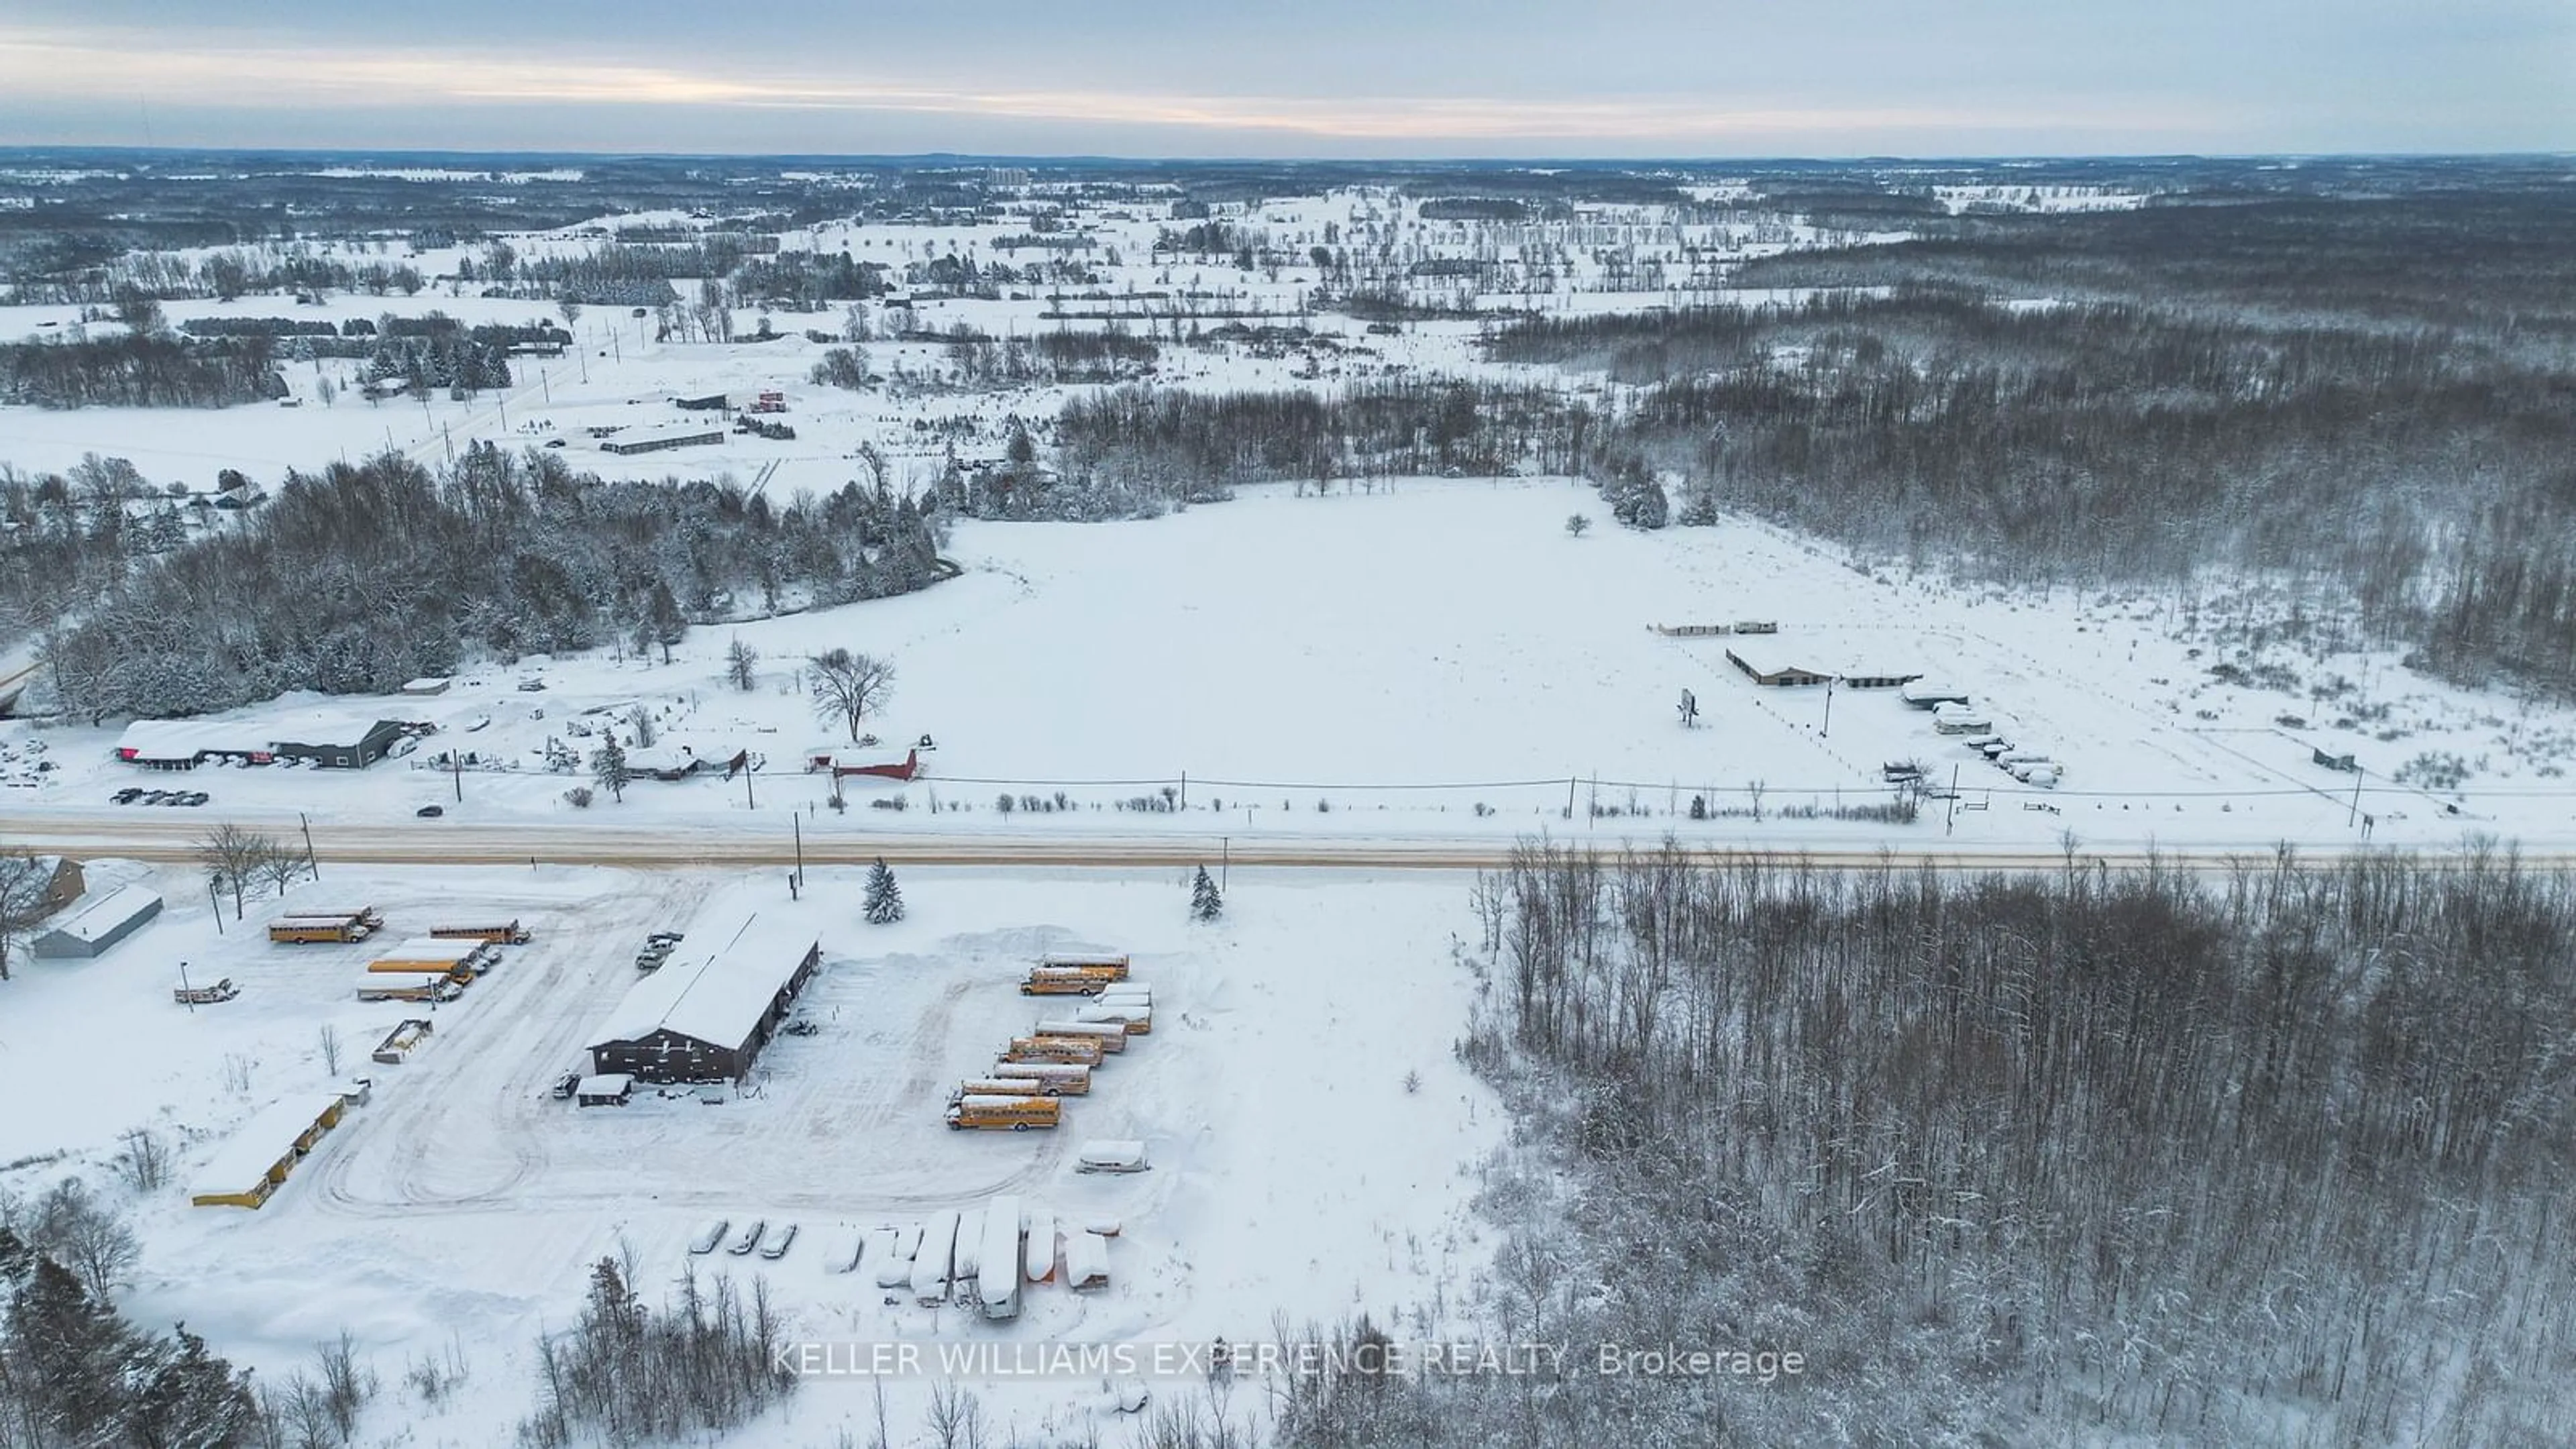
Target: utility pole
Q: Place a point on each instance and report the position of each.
(2355, 817)
(187, 993)
(310, 862)
(1225, 861)
(1185, 789)
(1950, 816)
(456, 768)
(1828, 731)
(748, 803)
(800, 846)
(214, 898)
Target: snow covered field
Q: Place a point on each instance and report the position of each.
(1435, 660)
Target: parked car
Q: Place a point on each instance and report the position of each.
(430, 812)
(565, 1084)
(127, 796)
(194, 797)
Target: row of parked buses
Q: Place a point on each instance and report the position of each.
(432, 968)
(1056, 1057)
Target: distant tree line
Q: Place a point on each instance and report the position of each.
(140, 370)
(2420, 477)
(1177, 444)
(2141, 1155)
(357, 578)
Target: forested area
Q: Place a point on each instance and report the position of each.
(2343, 398)
(2273, 1155)
(361, 576)
(1175, 444)
(140, 371)
(74, 1374)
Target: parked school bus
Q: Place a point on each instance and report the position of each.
(1063, 981)
(1054, 1079)
(382, 986)
(455, 957)
(1113, 966)
(509, 933)
(1063, 1050)
(995, 1114)
(1001, 1084)
(1137, 1019)
(310, 930)
(1112, 1035)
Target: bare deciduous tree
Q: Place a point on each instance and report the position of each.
(23, 879)
(231, 856)
(85, 1235)
(845, 686)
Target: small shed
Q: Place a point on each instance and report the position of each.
(426, 685)
(102, 923)
(606, 1089)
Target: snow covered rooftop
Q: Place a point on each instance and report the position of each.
(720, 984)
(105, 915)
(434, 948)
(186, 739)
(262, 1142)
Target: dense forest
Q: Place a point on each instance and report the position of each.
(1169, 442)
(140, 371)
(2277, 1155)
(359, 577)
(2391, 432)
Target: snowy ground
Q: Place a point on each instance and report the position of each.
(1293, 1169)
(1387, 663)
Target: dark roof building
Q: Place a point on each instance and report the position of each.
(705, 1016)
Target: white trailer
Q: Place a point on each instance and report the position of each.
(1086, 1261)
(1137, 1020)
(1111, 1035)
(894, 1264)
(997, 1286)
(930, 1265)
(1111, 1155)
(1038, 1261)
(1053, 1079)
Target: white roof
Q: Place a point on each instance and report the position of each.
(180, 739)
(185, 739)
(258, 1144)
(1112, 1152)
(450, 949)
(106, 914)
(606, 1084)
(1769, 654)
(719, 984)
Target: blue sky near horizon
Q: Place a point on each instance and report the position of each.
(1324, 78)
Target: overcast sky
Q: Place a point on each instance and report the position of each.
(1323, 78)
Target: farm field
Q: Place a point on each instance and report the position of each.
(1436, 659)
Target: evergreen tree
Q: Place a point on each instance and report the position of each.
(190, 1399)
(72, 1356)
(885, 898)
(1206, 901)
(608, 767)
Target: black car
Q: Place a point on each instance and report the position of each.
(430, 812)
(126, 796)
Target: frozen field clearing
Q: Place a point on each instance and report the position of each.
(1385, 663)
